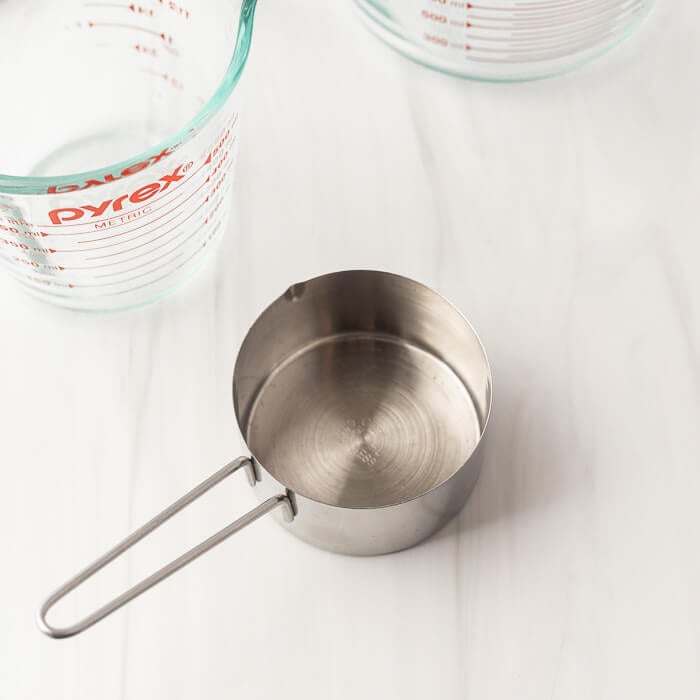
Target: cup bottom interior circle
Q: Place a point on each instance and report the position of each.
(363, 420)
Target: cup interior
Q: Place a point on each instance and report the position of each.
(361, 389)
(95, 84)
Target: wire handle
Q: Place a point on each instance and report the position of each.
(281, 500)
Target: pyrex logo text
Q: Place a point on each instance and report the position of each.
(142, 194)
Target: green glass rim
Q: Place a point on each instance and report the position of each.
(18, 184)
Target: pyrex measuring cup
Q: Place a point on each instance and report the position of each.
(503, 39)
(119, 126)
(363, 398)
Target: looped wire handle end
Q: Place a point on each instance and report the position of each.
(281, 500)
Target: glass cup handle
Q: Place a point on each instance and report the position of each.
(281, 500)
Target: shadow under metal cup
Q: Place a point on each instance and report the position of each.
(363, 398)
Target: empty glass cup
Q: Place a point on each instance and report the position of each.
(503, 39)
(119, 128)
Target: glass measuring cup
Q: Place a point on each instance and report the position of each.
(503, 39)
(119, 131)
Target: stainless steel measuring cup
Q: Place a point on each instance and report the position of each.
(363, 398)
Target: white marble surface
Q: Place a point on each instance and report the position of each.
(561, 216)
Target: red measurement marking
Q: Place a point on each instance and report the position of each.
(434, 17)
(174, 81)
(146, 50)
(217, 185)
(165, 233)
(141, 10)
(439, 40)
(133, 27)
(175, 7)
(571, 34)
(530, 6)
(140, 286)
(214, 209)
(134, 277)
(12, 221)
(128, 260)
(34, 234)
(219, 145)
(112, 223)
(135, 238)
(24, 246)
(552, 15)
(137, 9)
(167, 274)
(20, 232)
(14, 244)
(138, 267)
(168, 78)
(224, 157)
(136, 257)
(49, 282)
(35, 264)
(148, 223)
(213, 233)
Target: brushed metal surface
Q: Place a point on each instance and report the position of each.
(361, 421)
(365, 397)
(375, 531)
